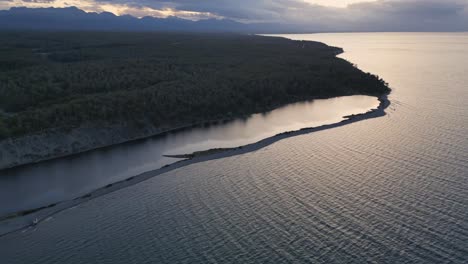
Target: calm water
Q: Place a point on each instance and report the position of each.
(386, 190)
(64, 179)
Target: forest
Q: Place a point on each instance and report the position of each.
(64, 80)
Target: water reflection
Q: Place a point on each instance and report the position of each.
(67, 178)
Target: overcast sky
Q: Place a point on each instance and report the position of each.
(322, 15)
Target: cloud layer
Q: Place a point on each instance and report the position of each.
(305, 15)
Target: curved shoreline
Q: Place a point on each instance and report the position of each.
(22, 220)
(55, 144)
(152, 132)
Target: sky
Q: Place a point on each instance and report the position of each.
(315, 15)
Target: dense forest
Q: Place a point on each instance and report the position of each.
(63, 80)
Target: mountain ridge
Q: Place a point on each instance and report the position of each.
(73, 18)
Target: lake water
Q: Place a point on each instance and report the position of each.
(64, 179)
(387, 190)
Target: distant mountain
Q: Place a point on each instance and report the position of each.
(72, 18)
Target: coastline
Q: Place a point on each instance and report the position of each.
(57, 143)
(22, 220)
(61, 143)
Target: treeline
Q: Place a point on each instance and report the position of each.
(65, 80)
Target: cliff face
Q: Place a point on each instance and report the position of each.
(54, 144)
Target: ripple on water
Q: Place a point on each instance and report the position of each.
(386, 190)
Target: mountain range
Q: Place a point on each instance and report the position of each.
(72, 18)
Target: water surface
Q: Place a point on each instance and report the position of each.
(386, 190)
(63, 179)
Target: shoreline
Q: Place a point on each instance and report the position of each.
(70, 151)
(22, 220)
(32, 149)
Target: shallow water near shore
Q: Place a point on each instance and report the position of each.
(50, 182)
(392, 189)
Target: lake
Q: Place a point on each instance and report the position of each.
(387, 190)
(64, 179)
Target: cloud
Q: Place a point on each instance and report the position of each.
(306, 15)
(411, 15)
(39, 1)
